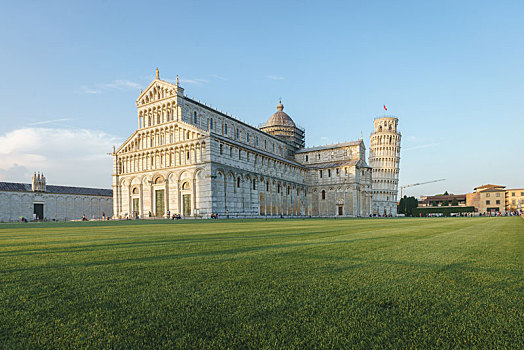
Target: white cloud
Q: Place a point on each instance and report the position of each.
(275, 77)
(196, 81)
(122, 84)
(92, 91)
(66, 156)
(216, 76)
(119, 84)
(49, 121)
(420, 147)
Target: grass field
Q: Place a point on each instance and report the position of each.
(395, 283)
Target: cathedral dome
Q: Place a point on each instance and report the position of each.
(280, 118)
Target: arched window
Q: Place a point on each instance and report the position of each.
(239, 154)
(267, 186)
(159, 180)
(195, 117)
(278, 188)
(185, 186)
(238, 182)
(323, 195)
(307, 158)
(211, 123)
(225, 129)
(231, 151)
(135, 190)
(254, 184)
(221, 148)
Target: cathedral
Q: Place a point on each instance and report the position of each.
(190, 159)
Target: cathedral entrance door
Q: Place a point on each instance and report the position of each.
(187, 204)
(136, 206)
(160, 208)
(38, 209)
(340, 210)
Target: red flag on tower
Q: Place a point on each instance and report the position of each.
(385, 107)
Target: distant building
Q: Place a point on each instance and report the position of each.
(437, 201)
(486, 199)
(50, 202)
(514, 199)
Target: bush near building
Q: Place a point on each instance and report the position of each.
(445, 211)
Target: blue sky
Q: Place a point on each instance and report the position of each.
(452, 71)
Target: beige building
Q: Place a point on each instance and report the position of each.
(191, 159)
(488, 199)
(50, 202)
(514, 199)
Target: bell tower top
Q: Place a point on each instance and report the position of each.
(38, 182)
(386, 124)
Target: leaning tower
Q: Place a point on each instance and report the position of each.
(384, 158)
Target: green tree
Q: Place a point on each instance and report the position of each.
(454, 202)
(406, 205)
(445, 203)
(446, 193)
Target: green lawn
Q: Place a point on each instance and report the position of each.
(395, 283)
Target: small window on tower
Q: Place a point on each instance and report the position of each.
(306, 158)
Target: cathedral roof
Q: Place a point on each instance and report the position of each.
(20, 187)
(280, 118)
(336, 145)
(348, 163)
